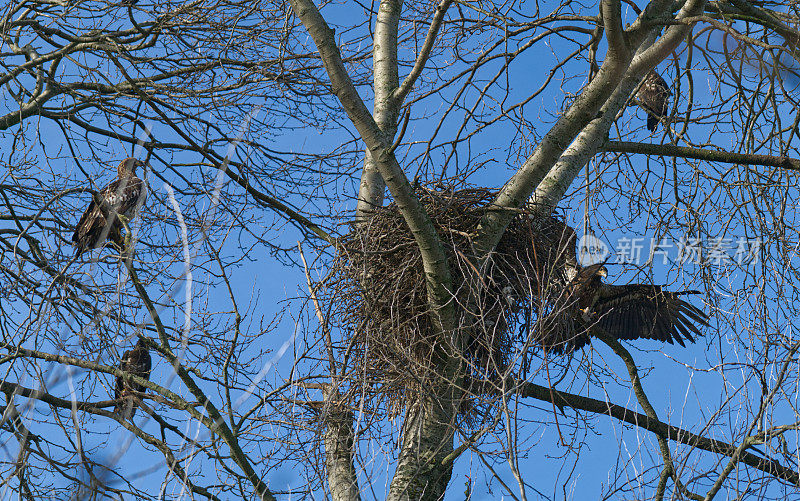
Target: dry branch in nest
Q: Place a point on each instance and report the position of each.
(380, 294)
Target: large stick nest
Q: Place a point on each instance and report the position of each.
(380, 290)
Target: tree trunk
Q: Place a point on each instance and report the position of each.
(339, 449)
(385, 110)
(427, 439)
(339, 434)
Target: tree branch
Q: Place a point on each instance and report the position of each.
(581, 112)
(671, 150)
(437, 273)
(385, 110)
(556, 182)
(644, 402)
(671, 432)
(430, 39)
(217, 423)
(337, 419)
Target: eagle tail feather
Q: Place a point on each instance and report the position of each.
(652, 121)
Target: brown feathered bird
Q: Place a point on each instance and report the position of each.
(137, 362)
(630, 311)
(123, 196)
(653, 96)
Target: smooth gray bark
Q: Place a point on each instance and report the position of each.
(386, 108)
(552, 187)
(389, 93)
(519, 188)
(430, 422)
(339, 441)
(339, 432)
(437, 273)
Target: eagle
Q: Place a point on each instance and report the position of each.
(653, 96)
(100, 222)
(630, 311)
(137, 362)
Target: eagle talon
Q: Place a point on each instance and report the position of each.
(127, 239)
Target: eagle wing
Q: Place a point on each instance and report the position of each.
(645, 311)
(91, 218)
(124, 195)
(567, 315)
(560, 330)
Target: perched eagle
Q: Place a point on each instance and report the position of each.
(630, 311)
(653, 96)
(100, 222)
(137, 362)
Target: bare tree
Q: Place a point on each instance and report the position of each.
(265, 164)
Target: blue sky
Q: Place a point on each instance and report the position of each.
(685, 385)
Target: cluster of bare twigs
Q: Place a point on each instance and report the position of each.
(379, 293)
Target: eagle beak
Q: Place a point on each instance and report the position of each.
(603, 272)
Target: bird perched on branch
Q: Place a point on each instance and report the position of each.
(137, 362)
(101, 221)
(653, 96)
(631, 311)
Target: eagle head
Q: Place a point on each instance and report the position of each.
(128, 166)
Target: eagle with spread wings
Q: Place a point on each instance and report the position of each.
(632, 311)
(136, 361)
(101, 221)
